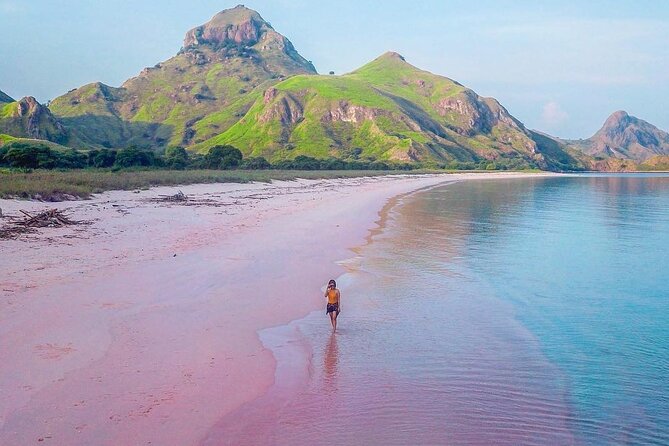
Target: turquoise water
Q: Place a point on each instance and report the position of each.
(585, 268)
(519, 311)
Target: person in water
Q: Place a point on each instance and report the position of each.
(334, 305)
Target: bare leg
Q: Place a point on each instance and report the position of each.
(333, 319)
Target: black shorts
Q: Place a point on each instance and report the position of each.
(332, 307)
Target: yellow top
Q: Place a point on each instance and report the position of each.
(333, 296)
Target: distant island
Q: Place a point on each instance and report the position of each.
(237, 83)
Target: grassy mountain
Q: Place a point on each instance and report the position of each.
(625, 137)
(386, 110)
(221, 70)
(27, 118)
(238, 81)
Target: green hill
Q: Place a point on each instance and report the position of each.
(386, 110)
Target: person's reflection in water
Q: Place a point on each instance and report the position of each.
(330, 363)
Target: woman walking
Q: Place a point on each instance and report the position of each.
(334, 305)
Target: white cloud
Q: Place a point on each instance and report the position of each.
(553, 115)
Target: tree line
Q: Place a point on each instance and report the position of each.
(28, 155)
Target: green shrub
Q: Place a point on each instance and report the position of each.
(258, 163)
(303, 162)
(103, 158)
(71, 159)
(30, 156)
(333, 164)
(133, 156)
(176, 158)
(197, 161)
(223, 157)
(379, 165)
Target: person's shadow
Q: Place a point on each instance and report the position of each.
(330, 364)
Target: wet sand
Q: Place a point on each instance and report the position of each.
(142, 326)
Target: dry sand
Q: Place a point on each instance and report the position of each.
(142, 326)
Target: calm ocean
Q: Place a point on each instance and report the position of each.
(507, 312)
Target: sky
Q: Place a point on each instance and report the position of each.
(560, 67)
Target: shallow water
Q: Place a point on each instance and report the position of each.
(525, 311)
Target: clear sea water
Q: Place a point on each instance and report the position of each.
(507, 312)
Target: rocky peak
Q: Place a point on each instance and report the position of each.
(239, 25)
(242, 32)
(620, 130)
(392, 55)
(616, 123)
(29, 106)
(5, 97)
(618, 116)
(626, 136)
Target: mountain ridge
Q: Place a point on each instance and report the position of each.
(237, 81)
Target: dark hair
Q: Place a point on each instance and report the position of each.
(332, 282)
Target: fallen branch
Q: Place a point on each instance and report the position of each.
(179, 196)
(13, 232)
(50, 218)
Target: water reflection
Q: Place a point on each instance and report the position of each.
(330, 364)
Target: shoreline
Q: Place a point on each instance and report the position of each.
(152, 333)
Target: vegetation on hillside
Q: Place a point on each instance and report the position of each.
(387, 110)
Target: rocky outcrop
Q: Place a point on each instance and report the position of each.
(476, 114)
(220, 32)
(287, 110)
(38, 121)
(269, 95)
(27, 118)
(345, 112)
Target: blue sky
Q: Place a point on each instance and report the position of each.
(560, 67)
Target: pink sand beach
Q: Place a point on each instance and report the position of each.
(142, 326)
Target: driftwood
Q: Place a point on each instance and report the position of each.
(13, 232)
(179, 196)
(52, 218)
